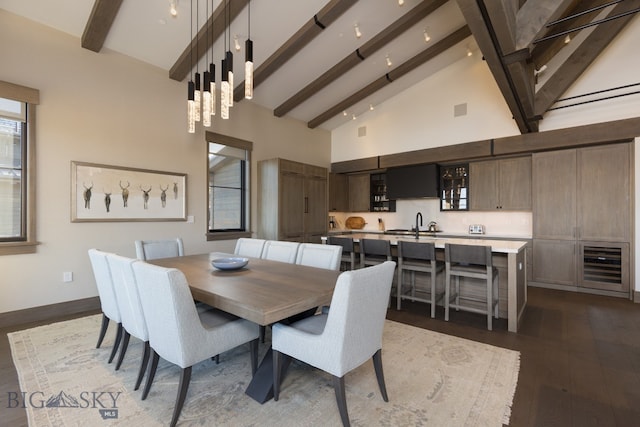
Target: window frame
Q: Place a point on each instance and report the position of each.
(243, 145)
(28, 243)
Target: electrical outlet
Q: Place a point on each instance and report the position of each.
(67, 276)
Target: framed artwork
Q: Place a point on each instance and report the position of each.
(112, 193)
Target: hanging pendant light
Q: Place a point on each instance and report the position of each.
(224, 91)
(212, 73)
(197, 96)
(248, 61)
(191, 108)
(206, 100)
(229, 57)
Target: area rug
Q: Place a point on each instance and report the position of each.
(432, 380)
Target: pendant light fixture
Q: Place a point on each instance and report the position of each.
(224, 74)
(212, 73)
(198, 92)
(229, 57)
(191, 113)
(248, 61)
(206, 93)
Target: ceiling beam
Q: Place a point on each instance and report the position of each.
(583, 56)
(204, 39)
(477, 17)
(532, 18)
(424, 56)
(102, 16)
(350, 61)
(309, 30)
(544, 51)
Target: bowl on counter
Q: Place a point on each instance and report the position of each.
(230, 263)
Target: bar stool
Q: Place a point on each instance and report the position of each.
(473, 262)
(348, 254)
(374, 251)
(418, 257)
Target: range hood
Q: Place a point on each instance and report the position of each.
(413, 182)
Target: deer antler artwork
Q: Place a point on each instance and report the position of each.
(125, 193)
(145, 196)
(163, 195)
(107, 200)
(87, 195)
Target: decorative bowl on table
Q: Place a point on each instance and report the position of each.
(230, 263)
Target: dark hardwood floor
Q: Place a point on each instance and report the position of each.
(579, 358)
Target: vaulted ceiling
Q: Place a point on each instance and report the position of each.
(310, 65)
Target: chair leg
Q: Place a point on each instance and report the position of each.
(185, 378)
(103, 329)
(123, 348)
(263, 330)
(143, 364)
(489, 303)
(216, 359)
(377, 364)
(277, 367)
(253, 346)
(152, 373)
(434, 300)
(447, 295)
(399, 290)
(341, 399)
(116, 344)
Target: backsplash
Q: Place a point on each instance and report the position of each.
(506, 224)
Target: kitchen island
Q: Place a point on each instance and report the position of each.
(509, 256)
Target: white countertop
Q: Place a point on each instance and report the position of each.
(498, 246)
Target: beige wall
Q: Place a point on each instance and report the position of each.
(108, 108)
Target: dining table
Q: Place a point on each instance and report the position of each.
(263, 291)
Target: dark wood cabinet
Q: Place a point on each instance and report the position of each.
(338, 192)
(359, 192)
(292, 201)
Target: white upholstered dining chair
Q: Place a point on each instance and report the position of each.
(108, 301)
(154, 249)
(133, 323)
(276, 250)
(181, 335)
(320, 256)
(345, 338)
(249, 247)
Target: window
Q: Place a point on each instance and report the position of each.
(17, 171)
(229, 163)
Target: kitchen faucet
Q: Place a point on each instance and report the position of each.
(418, 216)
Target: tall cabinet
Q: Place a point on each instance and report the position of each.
(292, 201)
(582, 218)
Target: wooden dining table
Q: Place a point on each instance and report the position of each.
(264, 292)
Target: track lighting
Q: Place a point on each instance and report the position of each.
(400, 2)
(237, 43)
(567, 39)
(427, 37)
(389, 63)
(173, 8)
(357, 31)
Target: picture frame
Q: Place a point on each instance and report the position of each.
(106, 193)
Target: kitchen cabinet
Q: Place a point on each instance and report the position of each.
(379, 201)
(292, 201)
(454, 187)
(503, 184)
(359, 192)
(338, 192)
(582, 218)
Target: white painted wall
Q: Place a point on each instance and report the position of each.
(422, 117)
(108, 108)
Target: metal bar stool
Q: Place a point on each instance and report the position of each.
(348, 254)
(418, 257)
(473, 262)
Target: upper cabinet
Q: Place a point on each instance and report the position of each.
(503, 184)
(338, 192)
(379, 199)
(454, 187)
(359, 192)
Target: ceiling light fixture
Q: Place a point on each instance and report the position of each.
(344, 113)
(248, 59)
(197, 93)
(229, 56)
(469, 52)
(212, 74)
(400, 2)
(173, 8)
(389, 63)
(191, 107)
(224, 77)
(370, 107)
(427, 37)
(206, 93)
(357, 31)
(236, 43)
(567, 39)
(353, 117)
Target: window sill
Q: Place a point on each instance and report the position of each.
(227, 235)
(18, 248)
